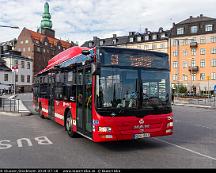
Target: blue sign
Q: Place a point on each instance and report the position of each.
(215, 89)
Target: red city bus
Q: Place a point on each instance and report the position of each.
(106, 93)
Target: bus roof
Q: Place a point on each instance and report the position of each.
(63, 56)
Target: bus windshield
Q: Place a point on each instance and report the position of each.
(128, 89)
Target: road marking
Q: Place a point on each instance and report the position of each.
(183, 148)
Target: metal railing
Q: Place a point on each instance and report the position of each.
(9, 105)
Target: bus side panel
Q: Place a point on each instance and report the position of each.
(59, 112)
(73, 112)
(44, 105)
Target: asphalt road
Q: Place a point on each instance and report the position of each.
(191, 146)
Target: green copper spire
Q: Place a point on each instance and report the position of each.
(46, 22)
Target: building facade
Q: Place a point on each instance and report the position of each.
(42, 45)
(22, 77)
(6, 81)
(152, 41)
(193, 53)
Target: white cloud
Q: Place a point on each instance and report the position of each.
(83, 19)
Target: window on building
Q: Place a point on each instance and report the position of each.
(90, 44)
(208, 27)
(213, 62)
(26, 41)
(162, 46)
(202, 76)
(22, 64)
(29, 49)
(193, 76)
(44, 50)
(146, 37)
(194, 29)
(154, 37)
(202, 40)
(184, 64)
(202, 51)
(175, 77)
(16, 78)
(15, 62)
(146, 47)
(154, 46)
(193, 63)
(101, 42)
(24, 49)
(213, 76)
(175, 53)
(5, 77)
(213, 50)
(213, 39)
(131, 39)
(45, 43)
(38, 49)
(114, 41)
(202, 63)
(28, 78)
(185, 53)
(59, 47)
(180, 31)
(139, 38)
(28, 65)
(184, 77)
(175, 64)
(193, 51)
(22, 78)
(163, 35)
(21, 42)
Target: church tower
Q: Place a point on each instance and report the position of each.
(46, 23)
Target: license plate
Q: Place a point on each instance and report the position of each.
(143, 135)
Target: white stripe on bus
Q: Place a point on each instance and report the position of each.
(45, 110)
(59, 116)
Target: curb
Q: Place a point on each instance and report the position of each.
(12, 114)
(197, 106)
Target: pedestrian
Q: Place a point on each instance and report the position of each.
(172, 95)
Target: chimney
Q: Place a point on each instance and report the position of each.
(146, 30)
(160, 29)
(114, 35)
(173, 24)
(201, 15)
(94, 38)
(191, 17)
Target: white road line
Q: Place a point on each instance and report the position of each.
(183, 148)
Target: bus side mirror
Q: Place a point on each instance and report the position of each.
(95, 68)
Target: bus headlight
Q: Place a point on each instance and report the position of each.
(104, 129)
(170, 124)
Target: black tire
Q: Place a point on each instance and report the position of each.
(40, 112)
(69, 125)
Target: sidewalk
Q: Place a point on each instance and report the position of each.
(23, 111)
(199, 103)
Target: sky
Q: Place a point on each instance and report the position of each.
(81, 20)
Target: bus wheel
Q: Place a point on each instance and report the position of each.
(69, 125)
(40, 112)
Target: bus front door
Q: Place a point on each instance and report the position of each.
(84, 109)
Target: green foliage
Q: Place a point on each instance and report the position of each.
(181, 89)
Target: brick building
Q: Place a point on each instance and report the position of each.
(42, 45)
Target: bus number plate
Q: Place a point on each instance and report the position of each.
(143, 135)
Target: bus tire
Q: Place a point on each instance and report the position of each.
(69, 124)
(40, 111)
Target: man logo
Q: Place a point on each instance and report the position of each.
(141, 121)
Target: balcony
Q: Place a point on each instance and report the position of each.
(194, 69)
(193, 44)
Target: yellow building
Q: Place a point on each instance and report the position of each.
(193, 53)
